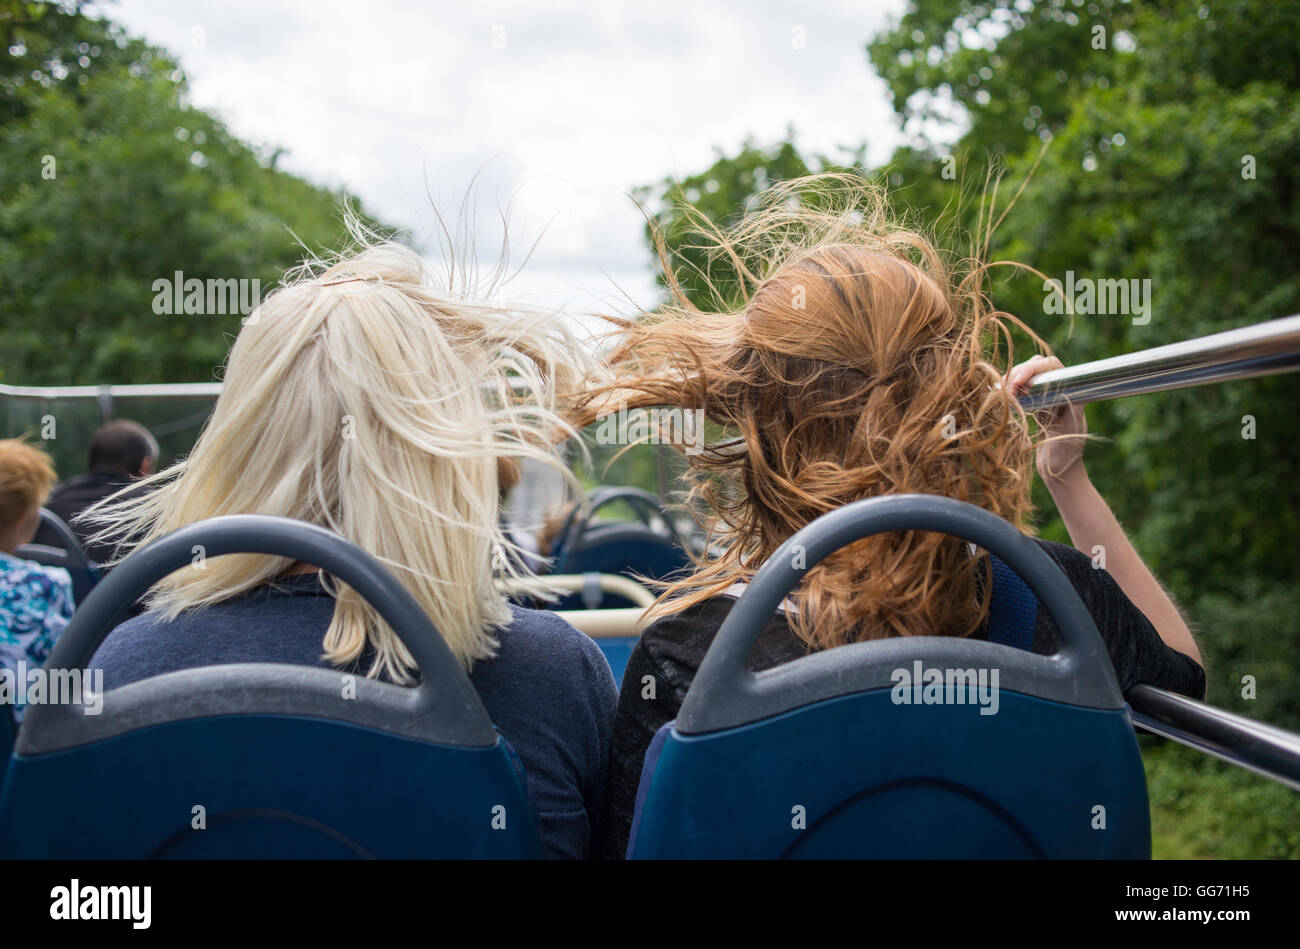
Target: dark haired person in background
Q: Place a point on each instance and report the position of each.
(121, 452)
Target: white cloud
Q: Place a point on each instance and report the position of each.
(582, 103)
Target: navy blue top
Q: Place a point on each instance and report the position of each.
(549, 690)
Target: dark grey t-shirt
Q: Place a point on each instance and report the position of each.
(549, 690)
(672, 649)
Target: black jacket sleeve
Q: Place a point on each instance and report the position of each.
(1136, 649)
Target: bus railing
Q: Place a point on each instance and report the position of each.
(580, 582)
(168, 390)
(1263, 349)
(1265, 749)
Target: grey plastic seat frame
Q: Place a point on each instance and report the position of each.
(443, 708)
(647, 506)
(725, 694)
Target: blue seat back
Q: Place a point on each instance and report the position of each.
(263, 760)
(6, 738)
(626, 549)
(55, 545)
(860, 752)
(1013, 608)
(617, 650)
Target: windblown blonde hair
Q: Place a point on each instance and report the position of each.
(361, 397)
(851, 361)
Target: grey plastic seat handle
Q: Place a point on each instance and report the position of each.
(646, 505)
(725, 693)
(441, 673)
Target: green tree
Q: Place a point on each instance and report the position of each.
(111, 182)
(721, 194)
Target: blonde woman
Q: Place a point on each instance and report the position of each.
(857, 363)
(362, 398)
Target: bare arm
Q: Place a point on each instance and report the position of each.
(1088, 517)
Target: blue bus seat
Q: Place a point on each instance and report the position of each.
(262, 760)
(617, 650)
(6, 738)
(1013, 608)
(55, 545)
(838, 755)
(628, 549)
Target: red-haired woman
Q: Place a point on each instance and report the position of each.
(857, 363)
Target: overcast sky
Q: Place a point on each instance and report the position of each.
(560, 107)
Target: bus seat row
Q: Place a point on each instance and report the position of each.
(55, 545)
(829, 756)
(647, 548)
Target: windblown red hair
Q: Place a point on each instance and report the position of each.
(854, 363)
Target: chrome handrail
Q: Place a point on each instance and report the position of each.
(106, 395)
(1269, 347)
(1256, 746)
(169, 390)
(1264, 348)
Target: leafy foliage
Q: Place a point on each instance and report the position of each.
(112, 182)
(721, 194)
(1202, 808)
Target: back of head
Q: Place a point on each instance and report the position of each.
(851, 363)
(362, 398)
(26, 476)
(123, 447)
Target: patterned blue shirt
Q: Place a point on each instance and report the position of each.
(35, 606)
